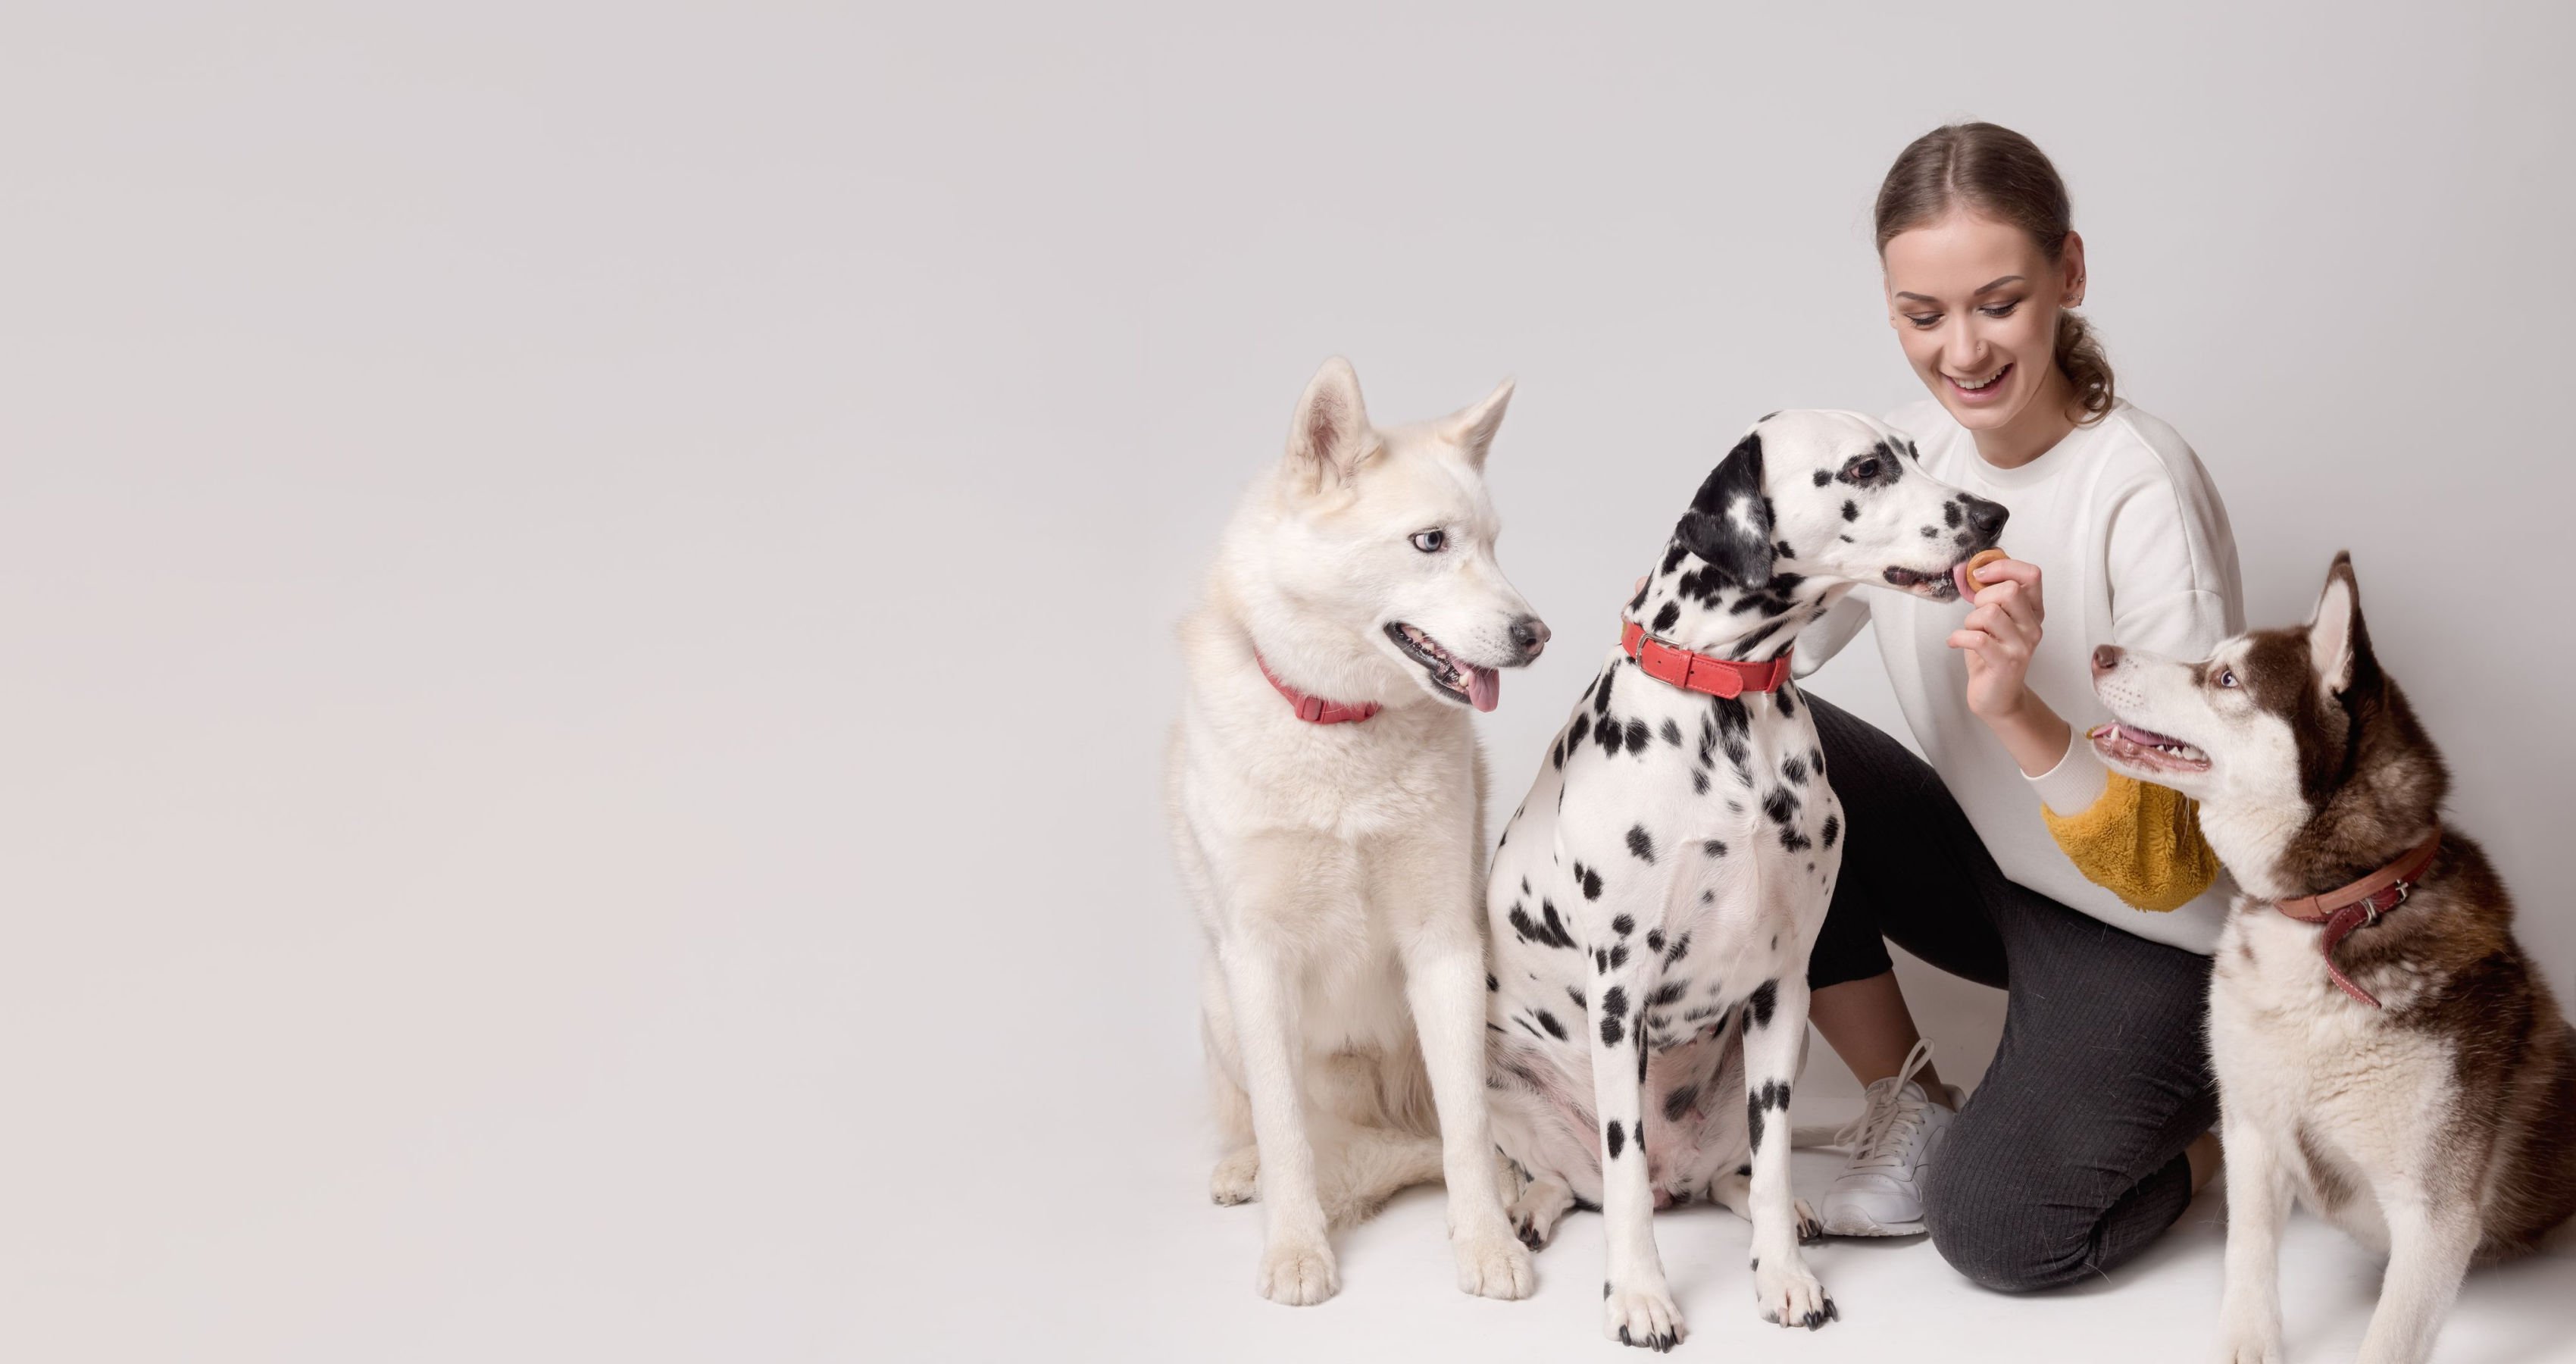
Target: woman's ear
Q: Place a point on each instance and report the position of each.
(1729, 521)
(2070, 260)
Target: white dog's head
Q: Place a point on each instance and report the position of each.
(1837, 496)
(1378, 553)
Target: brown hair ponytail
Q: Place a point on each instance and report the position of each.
(2003, 175)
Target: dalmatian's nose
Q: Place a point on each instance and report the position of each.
(2105, 658)
(1530, 636)
(1986, 518)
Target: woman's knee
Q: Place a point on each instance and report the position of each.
(2002, 1231)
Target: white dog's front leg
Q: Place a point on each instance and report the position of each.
(2430, 1240)
(1775, 1039)
(1297, 1262)
(1638, 1307)
(2258, 1202)
(1445, 984)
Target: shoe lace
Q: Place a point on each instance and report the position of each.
(1889, 1117)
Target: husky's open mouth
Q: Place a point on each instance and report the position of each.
(2146, 749)
(1451, 675)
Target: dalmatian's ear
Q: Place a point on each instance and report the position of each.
(2338, 642)
(1330, 434)
(1729, 522)
(1472, 429)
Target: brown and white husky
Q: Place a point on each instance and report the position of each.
(2384, 1049)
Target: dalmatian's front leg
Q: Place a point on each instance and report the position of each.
(1775, 1038)
(1638, 1308)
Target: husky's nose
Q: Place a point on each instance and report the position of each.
(2105, 658)
(1530, 636)
(1985, 518)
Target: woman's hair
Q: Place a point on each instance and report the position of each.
(2003, 175)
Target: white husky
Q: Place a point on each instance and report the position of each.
(1327, 796)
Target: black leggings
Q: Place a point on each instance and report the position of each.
(2068, 1160)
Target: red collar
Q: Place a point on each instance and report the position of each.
(2349, 907)
(1699, 672)
(1315, 710)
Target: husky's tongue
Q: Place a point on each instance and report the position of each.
(1484, 687)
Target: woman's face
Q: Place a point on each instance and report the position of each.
(1974, 301)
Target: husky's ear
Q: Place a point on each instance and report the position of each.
(2338, 642)
(1729, 522)
(1472, 429)
(1330, 434)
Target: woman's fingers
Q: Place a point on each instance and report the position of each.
(1998, 622)
(2023, 575)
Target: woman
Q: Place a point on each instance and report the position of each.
(2013, 858)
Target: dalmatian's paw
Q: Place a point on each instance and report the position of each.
(1299, 1273)
(1644, 1317)
(1538, 1209)
(1494, 1265)
(1237, 1178)
(1811, 1228)
(1790, 1295)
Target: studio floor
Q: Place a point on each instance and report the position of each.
(1899, 1300)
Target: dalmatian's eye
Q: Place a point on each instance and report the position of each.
(1862, 471)
(1431, 541)
(2227, 677)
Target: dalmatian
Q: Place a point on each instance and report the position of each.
(1653, 900)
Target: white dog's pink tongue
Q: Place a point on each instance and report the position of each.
(1484, 687)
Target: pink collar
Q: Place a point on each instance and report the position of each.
(1700, 672)
(1315, 710)
(2349, 907)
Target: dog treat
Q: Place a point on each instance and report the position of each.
(1967, 573)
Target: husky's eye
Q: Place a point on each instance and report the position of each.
(1430, 541)
(2226, 677)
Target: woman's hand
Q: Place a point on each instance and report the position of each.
(1998, 638)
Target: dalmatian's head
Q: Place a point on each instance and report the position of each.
(1836, 496)
(1387, 534)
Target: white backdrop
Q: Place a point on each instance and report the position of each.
(587, 590)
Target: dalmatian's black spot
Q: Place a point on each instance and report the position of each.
(1611, 1032)
(1759, 1004)
(1548, 1021)
(1795, 769)
(1699, 783)
(1816, 760)
(1753, 1125)
(1582, 727)
(1795, 841)
(1670, 992)
(1665, 618)
(1556, 755)
(1618, 956)
(1654, 940)
(1491, 984)
(1833, 829)
(1601, 960)
(1824, 476)
(1638, 736)
(1781, 805)
(1623, 925)
(1575, 995)
(1555, 926)
(1614, 1002)
(1609, 736)
(1787, 698)
(1931, 532)
(1601, 691)
(1640, 843)
(1851, 512)
(1781, 548)
(1712, 847)
(1679, 1102)
(1612, 1139)
(1672, 733)
(1679, 949)
(1590, 880)
(1774, 1094)
(1525, 1027)
(1672, 559)
(1950, 513)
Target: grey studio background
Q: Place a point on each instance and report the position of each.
(585, 599)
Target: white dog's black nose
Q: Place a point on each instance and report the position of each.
(2105, 658)
(1530, 636)
(1985, 518)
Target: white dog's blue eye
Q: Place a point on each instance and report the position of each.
(1430, 541)
(2226, 677)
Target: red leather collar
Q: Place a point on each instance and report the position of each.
(1315, 710)
(1699, 672)
(2349, 907)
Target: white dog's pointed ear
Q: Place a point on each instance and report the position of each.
(2338, 644)
(1473, 428)
(1330, 435)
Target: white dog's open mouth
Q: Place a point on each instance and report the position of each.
(2146, 749)
(1452, 675)
(1935, 586)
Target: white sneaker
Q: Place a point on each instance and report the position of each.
(1892, 1143)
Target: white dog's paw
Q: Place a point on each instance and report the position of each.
(1644, 1317)
(1299, 1273)
(1494, 1266)
(1537, 1210)
(1237, 1178)
(2250, 1348)
(1790, 1295)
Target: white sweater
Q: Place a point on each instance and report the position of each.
(2133, 549)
